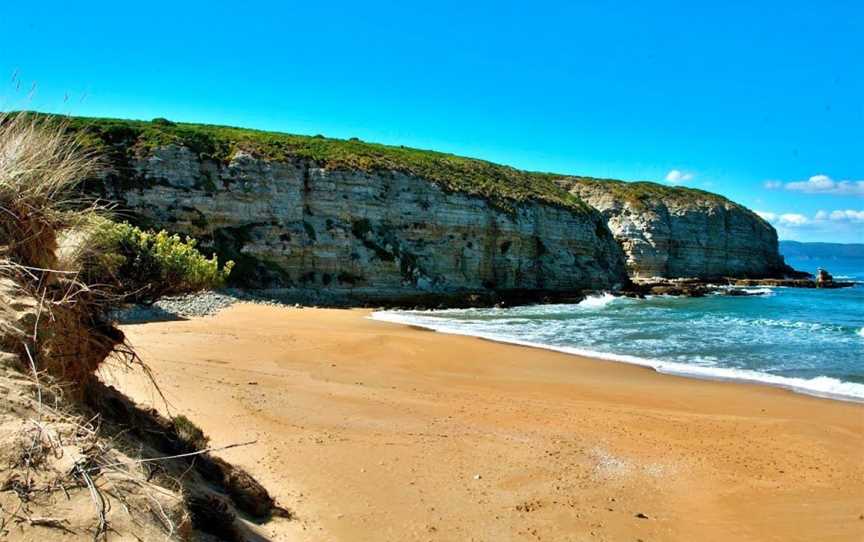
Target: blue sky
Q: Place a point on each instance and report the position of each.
(760, 101)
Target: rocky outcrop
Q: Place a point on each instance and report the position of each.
(382, 235)
(678, 232)
(820, 281)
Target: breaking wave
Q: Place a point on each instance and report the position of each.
(597, 301)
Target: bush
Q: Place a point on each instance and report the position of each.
(145, 265)
(163, 122)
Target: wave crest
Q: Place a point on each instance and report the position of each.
(597, 301)
(764, 291)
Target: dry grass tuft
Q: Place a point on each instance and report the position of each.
(40, 166)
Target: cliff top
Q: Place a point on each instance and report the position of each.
(644, 193)
(501, 184)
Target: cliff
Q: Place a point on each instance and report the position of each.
(344, 220)
(675, 232)
(348, 221)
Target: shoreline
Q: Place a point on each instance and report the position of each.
(371, 430)
(683, 370)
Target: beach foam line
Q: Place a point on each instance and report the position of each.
(820, 386)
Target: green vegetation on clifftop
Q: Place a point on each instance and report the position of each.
(643, 192)
(503, 185)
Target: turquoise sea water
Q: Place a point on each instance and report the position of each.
(807, 340)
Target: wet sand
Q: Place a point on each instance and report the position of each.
(376, 431)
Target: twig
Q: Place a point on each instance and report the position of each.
(166, 458)
(42, 269)
(52, 523)
(98, 502)
(162, 516)
(36, 521)
(53, 440)
(35, 377)
(38, 316)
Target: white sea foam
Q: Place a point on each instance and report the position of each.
(821, 386)
(759, 291)
(597, 301)
(762, 291)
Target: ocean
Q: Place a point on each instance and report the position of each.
(807, 340)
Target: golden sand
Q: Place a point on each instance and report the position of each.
(376, 431)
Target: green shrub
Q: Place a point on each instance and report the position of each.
(163, 122)
(145, 265)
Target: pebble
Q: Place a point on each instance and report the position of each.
(199, 304)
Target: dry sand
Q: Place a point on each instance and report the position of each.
(376, 431)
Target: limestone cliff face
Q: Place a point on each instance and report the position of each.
(355, 221)
(676, 232)
(375, 236)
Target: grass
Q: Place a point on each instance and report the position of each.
(503, 185)
(641, 195)
(40, 166)
(642, 192)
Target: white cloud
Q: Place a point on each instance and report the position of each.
(784, 219)
(798, 219)
(847, 215)
(793, 219)
(844, 225)
(822, 184)
(678, 176)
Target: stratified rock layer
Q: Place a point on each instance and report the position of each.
(677, 232)
(376, 236)
(345, 220)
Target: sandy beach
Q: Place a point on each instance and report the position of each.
(374, 431)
